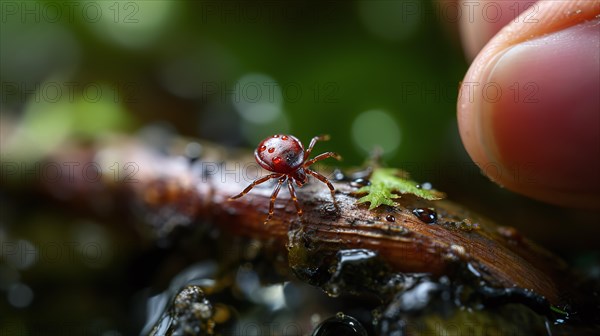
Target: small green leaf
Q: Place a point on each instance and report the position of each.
(387, 183)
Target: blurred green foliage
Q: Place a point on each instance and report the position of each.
(369, 73)
(179, 62)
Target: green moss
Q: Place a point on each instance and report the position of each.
(388, 183)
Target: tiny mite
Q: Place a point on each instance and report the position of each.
(285, 156)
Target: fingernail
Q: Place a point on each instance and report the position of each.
(541, 108)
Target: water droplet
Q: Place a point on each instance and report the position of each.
(360, 182)
(276, 136)
(426, 186)
(262, 148)
(193, 150)
(340, 325)
(271, 150)
(276, 160)
(390, 218)
(355, 256)
(425, 215)
(338, 175)
(284, 137)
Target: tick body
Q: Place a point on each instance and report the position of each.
(287, 160)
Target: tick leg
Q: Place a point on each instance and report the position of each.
(273, 197)
(254, 184)
(313, 141)
(294, 198)
(322, 157)
(326, 181)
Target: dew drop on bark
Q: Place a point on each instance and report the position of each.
(360, 182)
(340, 325)
(425, 215)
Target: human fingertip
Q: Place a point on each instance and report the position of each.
(529, 116)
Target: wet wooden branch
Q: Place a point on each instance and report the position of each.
(171, 190)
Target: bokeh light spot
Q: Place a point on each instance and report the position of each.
(376, 128)
(20, 295)
(132, 24)
(257, 98)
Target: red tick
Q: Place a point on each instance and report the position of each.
(284, 155)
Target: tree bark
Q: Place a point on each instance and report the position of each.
(173, 189)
